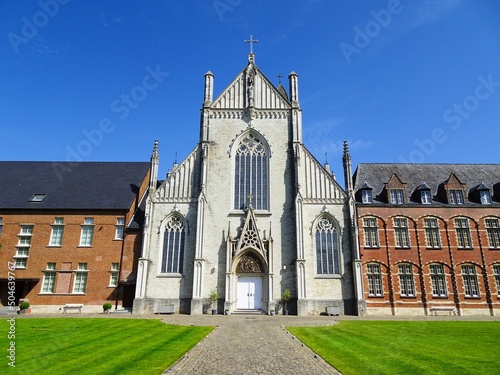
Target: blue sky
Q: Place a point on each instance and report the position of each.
(401, 81)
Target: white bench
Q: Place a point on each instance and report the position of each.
(450, 309)
(73, 306)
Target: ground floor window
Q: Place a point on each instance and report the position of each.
(438, 280)
(406, 281)
(374, 279)
(470, 280)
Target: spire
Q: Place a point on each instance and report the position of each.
(346, 161)
(209, 89)
(155, 161)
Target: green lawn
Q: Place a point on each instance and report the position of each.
(414, 347)
(95, 346)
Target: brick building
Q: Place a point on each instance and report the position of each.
(429, 237)
(70, 233)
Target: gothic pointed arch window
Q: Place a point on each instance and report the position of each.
(327, 247)
(174, 237)
(251, 173)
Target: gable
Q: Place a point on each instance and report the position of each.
(316, 184)
(250, 84)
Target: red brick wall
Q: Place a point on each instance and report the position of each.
(388, 256)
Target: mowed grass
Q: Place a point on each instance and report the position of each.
(96, 346)
(414, 347)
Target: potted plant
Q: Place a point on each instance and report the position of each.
(106, 307)
(214, 296)
(285, 297)
(24, 308)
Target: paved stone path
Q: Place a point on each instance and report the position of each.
(250, 345)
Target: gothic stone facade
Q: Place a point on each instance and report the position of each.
(430, 238)
(248, 214)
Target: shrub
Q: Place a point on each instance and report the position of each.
(107, 306)
(24, 305)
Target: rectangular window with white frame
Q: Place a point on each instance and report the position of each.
(366, 196)
(374, 280)
(87, 232)
(456, 197)
(469, 277)
(425, 197)
(49, 278)
(406, 281)
(431, 229)
(80, 283)
(120, 225)
(493, 232)
(370, 231)
(462, 229)
(438, 280)
(23, 246)
(401, 233)
(57, 232)
(397, 196)
(496, 272)
(113, 275)
(485, 196)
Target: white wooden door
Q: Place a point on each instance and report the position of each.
(249, 293)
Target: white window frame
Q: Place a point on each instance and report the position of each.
(173, 246)
(496, 273)
(485, 196)
(57, 232)
(469, 277)
(80, 280)
(462, 231)
(425, 197)
(87, 233)
(432, 235)
(366, 196)
(374, 274)
(406, 280)
(120, 228)
(23, 246)
(113, 274)
(370, 232)
(401, 233)
(456, 196)
(493, 232)
(397, 196)
(438, 280)
(49, 278)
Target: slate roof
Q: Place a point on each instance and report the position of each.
(432, 175)
(84, 185)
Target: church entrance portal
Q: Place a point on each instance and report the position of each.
(249, 293)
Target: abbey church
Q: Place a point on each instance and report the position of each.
(249, 217)
(249, 213)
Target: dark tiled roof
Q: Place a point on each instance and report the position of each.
(85, 185)
(414, 175)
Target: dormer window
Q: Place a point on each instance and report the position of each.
(425, 197)
(366, 196)
(485, 197)
(397, 196)
(456, 197)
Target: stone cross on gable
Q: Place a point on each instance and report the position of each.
(250, 198)
(251, 41)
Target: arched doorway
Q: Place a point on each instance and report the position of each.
(249, 290)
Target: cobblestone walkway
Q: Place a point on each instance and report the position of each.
(250, 345)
